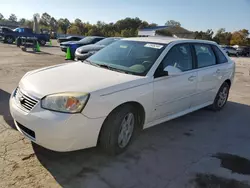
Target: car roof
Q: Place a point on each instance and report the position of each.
(166, 40)
(94, 37)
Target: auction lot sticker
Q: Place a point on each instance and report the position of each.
(156, 46)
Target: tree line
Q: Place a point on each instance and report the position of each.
(127, 27)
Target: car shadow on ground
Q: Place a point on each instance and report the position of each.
(72, 169)
(4, 108)
(37, 53)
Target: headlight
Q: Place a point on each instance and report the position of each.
(65, 102)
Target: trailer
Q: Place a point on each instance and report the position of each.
(28, 42)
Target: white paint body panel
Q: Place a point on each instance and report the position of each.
(162, 98)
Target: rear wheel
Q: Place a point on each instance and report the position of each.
(118, 130)
(9, 39)
(221, 97)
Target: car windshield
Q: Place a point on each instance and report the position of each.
(107, 41)
(131, 57)
(86, 40)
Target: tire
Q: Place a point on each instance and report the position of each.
(42, 42)
(116, 135)
(237, 55)
(221, 97)
(18, 42)
(9, 39)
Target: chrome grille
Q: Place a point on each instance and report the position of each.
(24, 101)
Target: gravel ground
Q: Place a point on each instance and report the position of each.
(202, 149)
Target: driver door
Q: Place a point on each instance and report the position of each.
(173, 94)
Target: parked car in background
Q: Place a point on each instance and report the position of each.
(69, 38)
(9, 36)
(243, 51)
(84, 52)
(73, 45)
(130, 85)
(230, 51)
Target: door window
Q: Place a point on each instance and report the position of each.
(219, 55)
(205, 55)
(179, 56)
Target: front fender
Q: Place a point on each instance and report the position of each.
(101, 105)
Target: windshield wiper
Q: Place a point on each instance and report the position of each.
(90, 62)
(112, 68)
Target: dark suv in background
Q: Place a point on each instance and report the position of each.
(243, 51)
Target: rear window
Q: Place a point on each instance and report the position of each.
(220, 57)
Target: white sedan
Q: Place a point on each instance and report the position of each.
(128, 86)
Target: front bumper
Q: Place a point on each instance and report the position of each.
(80, 56)
(56, 131)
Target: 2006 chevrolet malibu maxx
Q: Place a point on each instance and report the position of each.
(128, 86)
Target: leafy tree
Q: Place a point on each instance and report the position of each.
(1, 17)
(172, 23)
(53, 24)
(128, 23)
(28, 23)
(45, 19)
(152, 25)
(208, 35)
(95, 31)
(74, 30)
(12, 18)
(240, 37)
(22, 21)
(222, 37)
(164, 32)
(128, 33)
(63, 24)
(143, 24)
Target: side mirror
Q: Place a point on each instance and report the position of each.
(171, 70)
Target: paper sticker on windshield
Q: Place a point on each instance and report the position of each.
(156, 46)
(122, 46)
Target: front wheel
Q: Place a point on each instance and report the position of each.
(118, 130)
(42, 42)
(221, 97)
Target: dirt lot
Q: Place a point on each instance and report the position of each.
(202, 149)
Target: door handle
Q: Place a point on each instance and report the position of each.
(191, 78)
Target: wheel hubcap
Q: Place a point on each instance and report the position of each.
(9, 40)
(222, 97)
(126, 130)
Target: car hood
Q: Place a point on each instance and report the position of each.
(68, 43)
(90, 47)
(75, 77)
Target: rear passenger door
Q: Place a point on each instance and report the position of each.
(209, 73)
